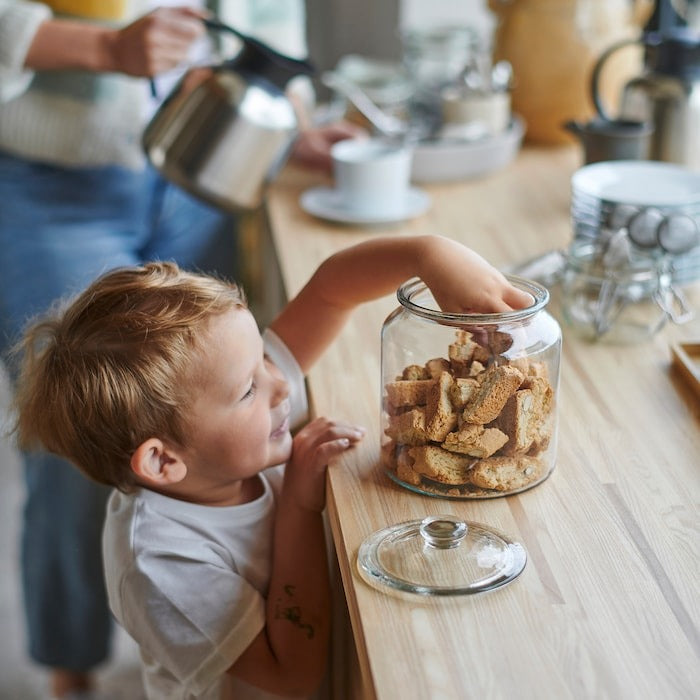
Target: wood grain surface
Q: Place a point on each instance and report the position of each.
(608, 605)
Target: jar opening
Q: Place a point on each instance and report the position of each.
(415, 296)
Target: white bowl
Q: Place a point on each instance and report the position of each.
(442, 161)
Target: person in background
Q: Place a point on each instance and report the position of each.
(78, 199)
(158, 383)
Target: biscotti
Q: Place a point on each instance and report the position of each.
(496, 385)
(472, 424)
(475, 440)
(408, 392)
(505, 473)
(440, 415)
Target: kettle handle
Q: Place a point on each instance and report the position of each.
(216, 25)
(597, 70)
(279, 68)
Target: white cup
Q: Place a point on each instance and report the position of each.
(372, 176)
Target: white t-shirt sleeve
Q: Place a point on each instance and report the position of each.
(280, 354)
(202, 626)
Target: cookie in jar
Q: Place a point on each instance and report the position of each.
(469, 401)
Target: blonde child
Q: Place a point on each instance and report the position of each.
(157, 382)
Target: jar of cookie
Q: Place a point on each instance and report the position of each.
(469, 401)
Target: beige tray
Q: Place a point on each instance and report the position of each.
(686, 358)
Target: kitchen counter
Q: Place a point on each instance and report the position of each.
(609, 603)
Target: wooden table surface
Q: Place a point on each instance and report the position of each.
(609, 602)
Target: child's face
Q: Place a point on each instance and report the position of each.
(240, 420)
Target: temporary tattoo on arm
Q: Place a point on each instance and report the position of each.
(292, 613)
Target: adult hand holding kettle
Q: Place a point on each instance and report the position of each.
(152, 44)
(156, 42)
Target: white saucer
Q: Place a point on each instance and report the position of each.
(326, 203)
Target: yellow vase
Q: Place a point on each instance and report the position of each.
(553, 46)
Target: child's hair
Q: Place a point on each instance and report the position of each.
(117, 366)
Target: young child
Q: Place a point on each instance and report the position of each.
(158, 382)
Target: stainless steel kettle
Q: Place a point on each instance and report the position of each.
(225, 130)
(666, 94)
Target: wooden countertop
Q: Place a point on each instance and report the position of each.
(609, 602)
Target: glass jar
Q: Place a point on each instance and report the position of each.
(469, 401)
(626, 303)
(434, 58)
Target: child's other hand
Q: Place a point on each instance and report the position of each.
(462, 281)
(313, 448)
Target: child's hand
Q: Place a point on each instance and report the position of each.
(313, 448)
(462, 281)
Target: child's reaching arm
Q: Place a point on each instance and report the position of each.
(460, 280)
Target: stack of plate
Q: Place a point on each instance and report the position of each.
(651, 207)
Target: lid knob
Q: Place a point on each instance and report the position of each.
(442, 531)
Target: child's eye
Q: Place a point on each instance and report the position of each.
(250, 391)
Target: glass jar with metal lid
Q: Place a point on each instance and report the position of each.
(469, 401)
(623, 301)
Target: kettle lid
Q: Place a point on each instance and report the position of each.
(259, 60)
(675, 52)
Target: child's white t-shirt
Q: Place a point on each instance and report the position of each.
(188, 582)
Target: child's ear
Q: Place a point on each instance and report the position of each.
(156, 465)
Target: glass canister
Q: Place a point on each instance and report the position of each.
(622, 303)
(434, 58)
(469, 401)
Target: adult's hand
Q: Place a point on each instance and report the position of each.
(313, 147)
(156, 42)
(150, 45)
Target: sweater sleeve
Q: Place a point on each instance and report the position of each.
(19, 22)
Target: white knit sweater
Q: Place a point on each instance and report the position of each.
(65, 117)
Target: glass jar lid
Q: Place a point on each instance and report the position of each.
(440, 555)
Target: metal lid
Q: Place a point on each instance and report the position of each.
(440, 555)
(674, 52)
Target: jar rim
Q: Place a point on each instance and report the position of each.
(411, 288)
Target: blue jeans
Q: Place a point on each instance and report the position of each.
(59, 229)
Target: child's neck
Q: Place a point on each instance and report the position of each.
(251, 489)
(243, 491)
